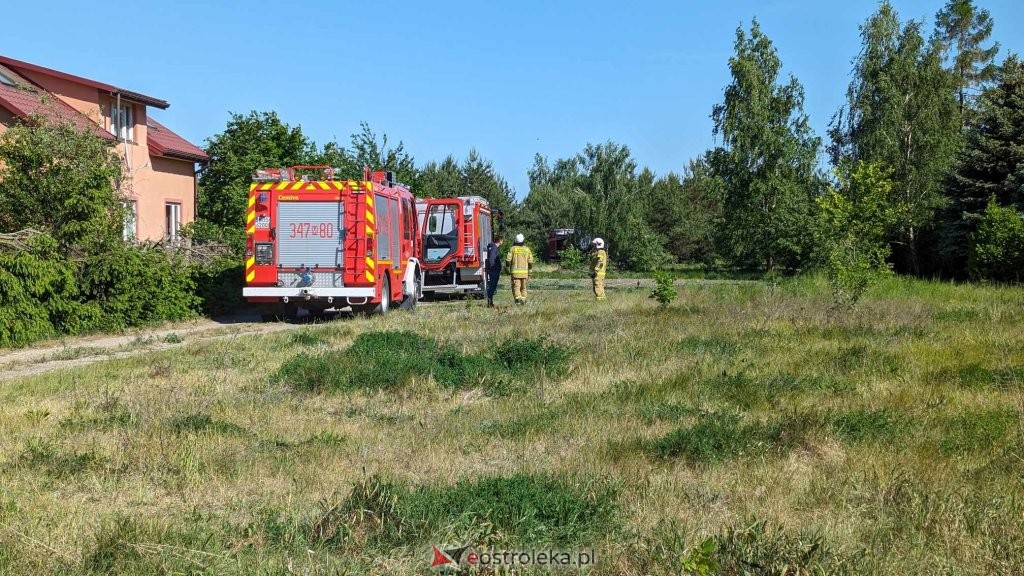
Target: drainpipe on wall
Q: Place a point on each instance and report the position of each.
(124, 140)
(195, 190)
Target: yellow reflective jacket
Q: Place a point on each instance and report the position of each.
(599, 264)
(520, 260)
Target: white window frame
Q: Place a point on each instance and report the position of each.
(172, 221)
(130, 231)
(122, 120)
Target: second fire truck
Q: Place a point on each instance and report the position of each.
(456, 232)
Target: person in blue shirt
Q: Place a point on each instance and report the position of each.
(492, 268)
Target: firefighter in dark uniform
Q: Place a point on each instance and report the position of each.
(492, 267)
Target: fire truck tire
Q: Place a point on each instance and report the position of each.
(410, 300)
(385, 298)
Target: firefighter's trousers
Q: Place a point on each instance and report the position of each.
(599, 286)
(519, 288)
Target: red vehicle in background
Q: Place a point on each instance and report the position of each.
(316, 241)
(456, 232)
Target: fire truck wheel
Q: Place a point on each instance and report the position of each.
(385, 298)
(410, 301)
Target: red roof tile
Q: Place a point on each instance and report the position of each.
(26, 100)
(141, 98)
(163, 142)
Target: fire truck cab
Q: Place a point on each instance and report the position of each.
(316, 241)
(456, 232)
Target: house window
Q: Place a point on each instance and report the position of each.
(122, 121)
(130, 218)
(5, 79)
(173, 220)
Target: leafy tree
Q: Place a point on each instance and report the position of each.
(599, 193)
(440, 179)
(60, 180)
(370, 150)
(366, 149)
(962, 27)
(249, 142)
(550, 203)
(684, 211)
(991, 165)
(852, 231)
(480, 179)
(767, 161)
(901, 113)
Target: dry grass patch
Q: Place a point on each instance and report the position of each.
(745, 427)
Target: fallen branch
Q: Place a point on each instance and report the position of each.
(19, 241)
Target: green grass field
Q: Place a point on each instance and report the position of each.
(744, 430)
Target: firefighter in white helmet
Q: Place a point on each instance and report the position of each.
(598, 267)
(520, 264)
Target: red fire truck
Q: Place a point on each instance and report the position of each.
(316, 241)
(456, 232)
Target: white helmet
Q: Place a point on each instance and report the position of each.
(520, 238)
(599, 243)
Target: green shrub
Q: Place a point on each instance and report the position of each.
(664, 288)
(39, 296)
(386, 360)
(58, 463)
(532, 353)
(570, 259)
(138, 285)
(665, 551)
(639, 248)
(997, 246)
(520, 510)
(863, 425)
(721, 436)
(977, 431)
(314, 372)
(218, 286)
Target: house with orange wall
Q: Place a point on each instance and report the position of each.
(160, 167)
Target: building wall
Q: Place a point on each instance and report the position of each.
(150, 182)
(82, 98)
(6, 119)
(97, 106)
(165, 180)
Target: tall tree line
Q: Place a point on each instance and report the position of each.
(930, 118)
(263, 140)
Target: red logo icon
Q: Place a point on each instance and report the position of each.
(441, 559)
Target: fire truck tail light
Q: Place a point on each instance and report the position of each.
(250, 246)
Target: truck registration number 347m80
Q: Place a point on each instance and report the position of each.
(311, 230)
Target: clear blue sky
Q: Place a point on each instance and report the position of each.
(509, 78)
